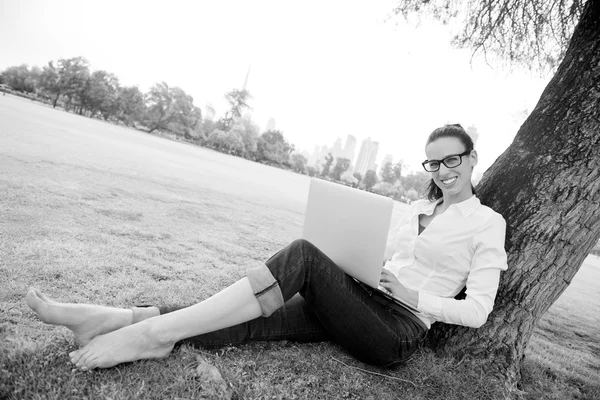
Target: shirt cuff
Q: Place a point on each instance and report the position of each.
(430, 304)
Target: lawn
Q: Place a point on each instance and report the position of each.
(93, 212)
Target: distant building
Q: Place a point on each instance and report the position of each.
(317, 158)
(366, 156)
(349, 148)
(336, 150)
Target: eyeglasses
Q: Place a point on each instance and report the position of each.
(451, 161)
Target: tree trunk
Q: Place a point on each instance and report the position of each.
(547, 187)
(55, 100)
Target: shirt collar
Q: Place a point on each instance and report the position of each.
(466, 207)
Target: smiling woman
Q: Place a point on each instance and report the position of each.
(440, 246)
(447, 148)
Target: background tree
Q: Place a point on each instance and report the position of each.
(273, 148)
(130, 105)
(161, 109)
(311, 171)
(298, 162)
(341, 166)
(171, 109)
(547, 183)
(348, 177)
(358, 176)
(401, 193)
(386, 189)
(237, 130)
(398, 170)
(226, 141)
(248, 132)
(73, 74)
(412, 194)
(387, 173)
(100, 94)
(238, 102)
(188, 117)
(215, 139)
(327, 166)
(416, 181)
(233, 142)
(50, 82)
(20, 78)
(208, 123)
(35, 74)
(370, 179)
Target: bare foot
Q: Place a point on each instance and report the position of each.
(85, 320)
(132, 343)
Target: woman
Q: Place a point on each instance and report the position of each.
(444, 243)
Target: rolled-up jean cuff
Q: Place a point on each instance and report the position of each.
(265, 288)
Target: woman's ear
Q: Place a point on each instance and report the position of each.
(473, 156)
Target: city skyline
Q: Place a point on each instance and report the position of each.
(369, 152)
(366, 156)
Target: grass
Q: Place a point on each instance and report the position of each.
(563, 356)
(95, 213)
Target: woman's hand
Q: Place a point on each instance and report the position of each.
(391, 283)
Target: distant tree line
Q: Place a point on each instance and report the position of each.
(70, 84)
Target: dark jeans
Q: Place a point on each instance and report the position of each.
(323, 303)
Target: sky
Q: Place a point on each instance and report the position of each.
(320, 69)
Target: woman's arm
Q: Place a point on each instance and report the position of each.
(489, 259)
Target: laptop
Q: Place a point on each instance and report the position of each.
(351, 227)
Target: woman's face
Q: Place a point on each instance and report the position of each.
(454, 182)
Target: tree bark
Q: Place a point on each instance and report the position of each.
(547, 187)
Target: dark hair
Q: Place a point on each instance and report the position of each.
(455, 131)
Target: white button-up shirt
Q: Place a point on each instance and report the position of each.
(462, 246)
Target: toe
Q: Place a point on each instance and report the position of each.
(86, 359)
(32, 299)
(42, 296)
(92, 362)
(88, 362)
(77, 355)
